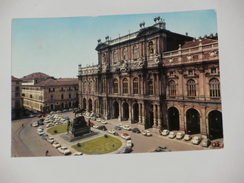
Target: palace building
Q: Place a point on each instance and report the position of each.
(158, 79)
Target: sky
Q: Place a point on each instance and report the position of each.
(56, 46)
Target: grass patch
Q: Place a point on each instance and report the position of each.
(58, 129)
(99, 145)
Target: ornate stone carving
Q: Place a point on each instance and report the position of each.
(189, 57)
(213, 54)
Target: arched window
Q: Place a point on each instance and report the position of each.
(124, 54)
(135, 86)
(135, 52)
(62, 96)
(150, 87)
(125, 85)
(214, 88)
(172, 88)
(116, 86)
(191, 88)
(150, 47)
(115, 56)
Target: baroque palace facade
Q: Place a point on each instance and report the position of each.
(43, 93)
(158, 79)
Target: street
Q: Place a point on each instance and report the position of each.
(27, 143)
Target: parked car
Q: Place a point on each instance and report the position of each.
(205, 142)
(136, 130)
(162, 149)
(49, 125)
(102, 127)
(129, 143)
(146, 133)
(56, 145)
(187, 137)
(40, 115)
(125, 136)
(50, 140)
(65, 110)
(179, 135)
(35, 124)
(44, 136)
(125, 150)
(64, 150)
(120, 125)
(40, 132)
(126, 127)
(71, 109)
(196, 140)
(117, 128)
(165, 132)
(90, 124)
(40, 122)
(104, 122)
(112, 131)
(77, 154)
(172, 135)
(95, 126)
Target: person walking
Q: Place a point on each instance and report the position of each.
(46, 153)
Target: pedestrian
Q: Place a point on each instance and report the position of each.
(22, 125)
(46, 153)
(30, 124)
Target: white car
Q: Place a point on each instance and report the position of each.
(98, 119)
(50, 140)
(126, 127)
(165, 132)
(196, 140)
(49, 125)
(129, 143)
(77, 154)
(56, 145)
(146, 133)
(112, 131)
(125, 136)
(187, 137)
(179, 135)
(120, 125)
(172, 135)
(35, 124)
(64, 150)
(95, 126)
(40, 131)
(104, 122)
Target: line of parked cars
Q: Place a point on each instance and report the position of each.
(196, 140)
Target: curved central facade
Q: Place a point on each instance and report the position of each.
(157, 79)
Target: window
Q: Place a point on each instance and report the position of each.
(191, 88)
(150, 87)
(17, 94)
(213, 71)
(171, 73)
(17, 104)
(135, 86)
(116, 86)
(69, 95)
(125, 85)
(62, 96)
(51, 97)
(135, 52)
(150, 47)
(115, 56)
(214, 88)
(16, 88)
(124, 54)
(172, 88)
(190, 72)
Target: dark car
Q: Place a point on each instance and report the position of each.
(40, 122)
(45, 136)
(162, 149)
(117, 128)
(102, 127)
(125, 150)
(136, 130)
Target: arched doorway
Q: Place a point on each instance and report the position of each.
(62, 105)
(125, 111)
(135, 113)
(173, 118)
(215, 124)
(84, 103)
(150, 122)
(89, 105)
(116, 109)
(192, 121)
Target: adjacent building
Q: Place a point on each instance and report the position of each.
(158, 79)
(44, 93)
(16, 98)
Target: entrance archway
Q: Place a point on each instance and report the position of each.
(89, 105)
(192, 121)
(215, 124)
(84, 103)
(116, 109)
(135, 113)
(150, 122)
(125, 111)
(173, 118)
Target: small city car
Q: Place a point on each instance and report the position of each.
(129, 143)
(196, 140)
(125, 136)
(77, 154)
(64, 150)
(205, 142)
(187, 137)
(125, 150)
(56, 145)
(102, 127)
(165, 132)
(162, 149)
(172, 135)
(136, 130)
(179, 135)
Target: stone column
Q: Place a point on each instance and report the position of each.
(159, 117)
(143, 114)
(140, 113)
(203, 121)
(155, 116)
